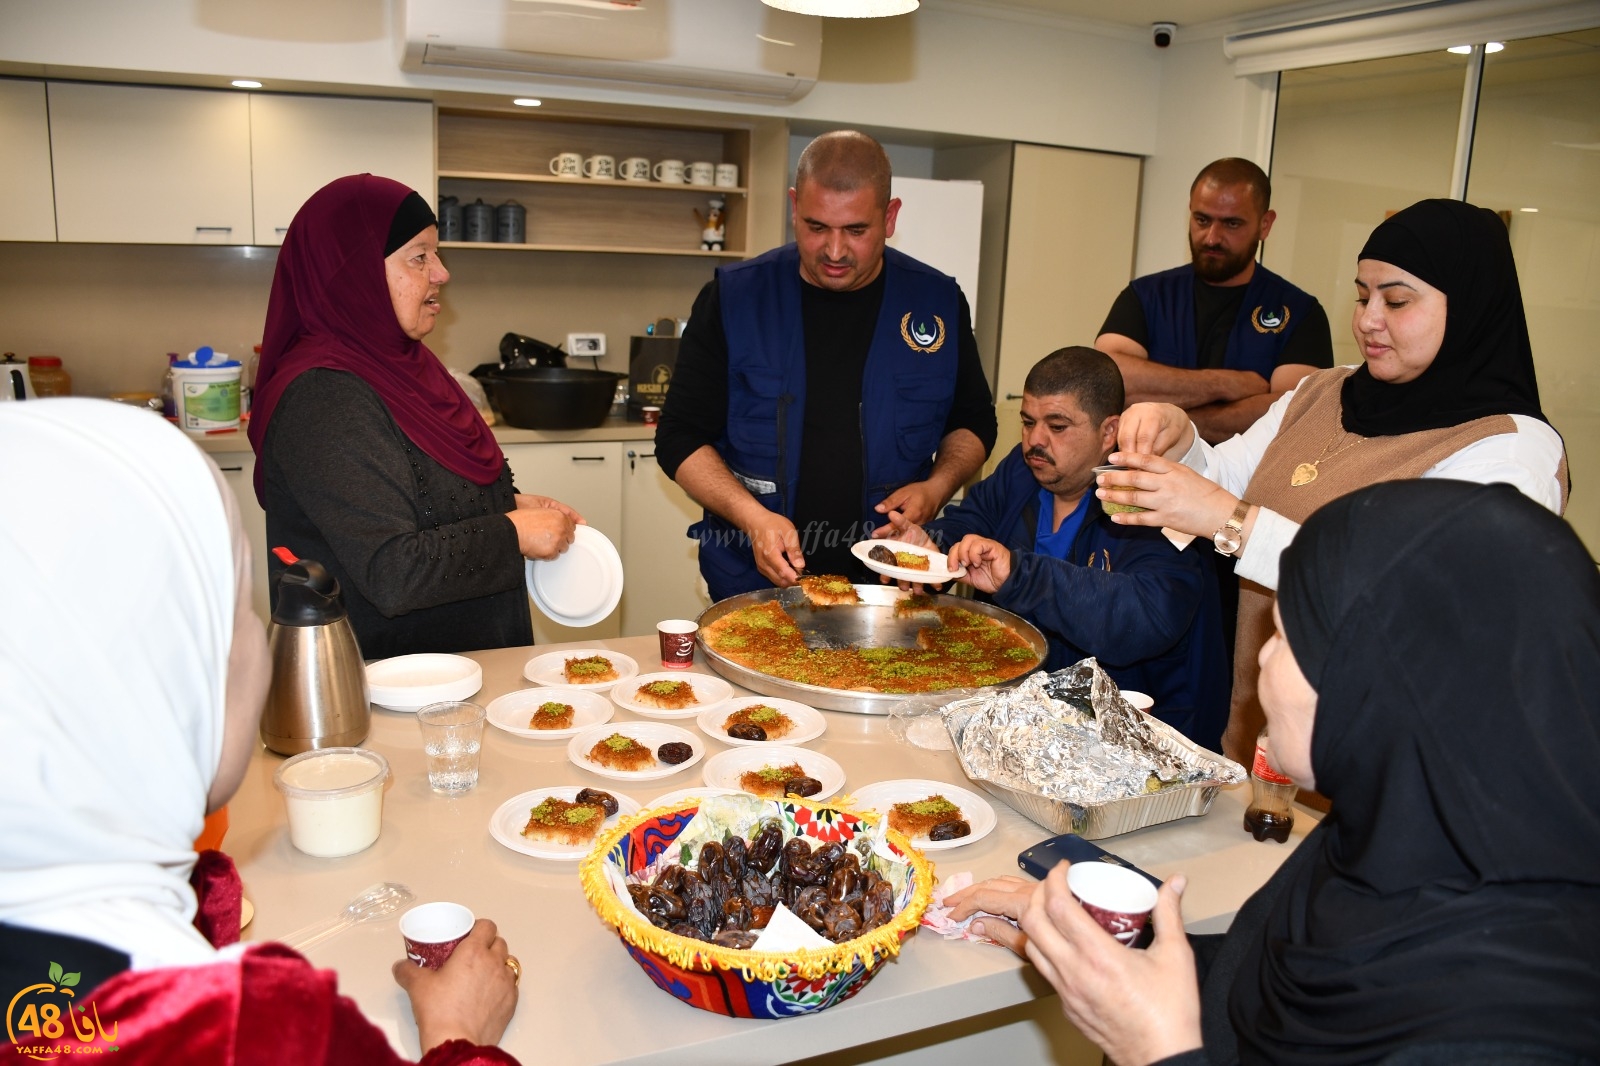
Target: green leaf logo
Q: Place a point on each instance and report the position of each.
(68, 980)
(55, 973)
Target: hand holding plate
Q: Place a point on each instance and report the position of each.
(542, 532)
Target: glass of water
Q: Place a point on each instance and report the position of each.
(452, 740)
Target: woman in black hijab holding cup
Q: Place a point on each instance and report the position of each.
(1446, 390)
(1435, 670)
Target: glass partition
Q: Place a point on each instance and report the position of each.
(1536, 156)
(1353, 143)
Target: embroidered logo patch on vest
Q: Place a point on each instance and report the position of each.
(1269, 321)
(919, 337)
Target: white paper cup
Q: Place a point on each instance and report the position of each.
(335, 799)
(1117, 898)
(432, 931)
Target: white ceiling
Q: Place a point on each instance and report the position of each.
(1140, 13)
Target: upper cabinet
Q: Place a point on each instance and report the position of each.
(150, 166)
(300, 143)
(136, 165)
(27, 210)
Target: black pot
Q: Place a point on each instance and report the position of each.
(544, 397)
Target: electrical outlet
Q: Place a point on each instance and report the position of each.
(586, 344)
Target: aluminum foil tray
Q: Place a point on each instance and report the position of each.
(1095, 820)
(869, 624)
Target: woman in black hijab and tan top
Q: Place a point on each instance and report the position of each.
(1435, 670)
(1446, 390)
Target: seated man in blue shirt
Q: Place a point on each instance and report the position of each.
(1035, 540)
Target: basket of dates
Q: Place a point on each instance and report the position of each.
(757, 908)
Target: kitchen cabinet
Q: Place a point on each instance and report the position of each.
(586, 476)
(239, 471)
(28, 208)
(661, 562)
(497, 157)
(300, 143)
(137, 165)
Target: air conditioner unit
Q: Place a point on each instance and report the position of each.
(732, 47)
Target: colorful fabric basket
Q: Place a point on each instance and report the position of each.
(747, 984)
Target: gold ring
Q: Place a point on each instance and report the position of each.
(516, 969)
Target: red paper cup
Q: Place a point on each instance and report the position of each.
(677, 643)
(1116, 897)
(651, 415)
(433, 930)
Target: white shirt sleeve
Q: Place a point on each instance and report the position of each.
(1527, 459)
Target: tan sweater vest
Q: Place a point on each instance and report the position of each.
(1312, 433)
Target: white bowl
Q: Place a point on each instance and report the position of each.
(411, 682)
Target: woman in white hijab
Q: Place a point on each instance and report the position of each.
(132, 674)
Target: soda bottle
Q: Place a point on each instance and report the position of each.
(1271, 812)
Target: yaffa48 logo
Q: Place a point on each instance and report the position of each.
(44, 1028)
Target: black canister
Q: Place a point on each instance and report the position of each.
(510, 223)
(477, 221)
(449, 218)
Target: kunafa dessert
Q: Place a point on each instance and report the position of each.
(667, 695)
(620, 752)
(776, 782)
(589, 670)
(829, 590)
(551, 715)
(933, 817)
(564, 821)
(747, 722)
(958, 648)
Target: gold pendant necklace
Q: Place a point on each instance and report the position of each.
(1306, 473)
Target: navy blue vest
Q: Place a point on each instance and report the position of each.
(907, 389)
(1272, 309)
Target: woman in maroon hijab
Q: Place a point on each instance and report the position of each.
(370, 459)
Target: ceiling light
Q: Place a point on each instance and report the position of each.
(1493, 46)
(1529, 210)
(1460, 49)
(527, 101)
(845, 9)
(246, 83)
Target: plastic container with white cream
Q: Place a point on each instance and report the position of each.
(335, 799)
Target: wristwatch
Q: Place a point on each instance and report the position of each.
(1228, 538)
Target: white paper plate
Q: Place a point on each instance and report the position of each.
(1138, 699)
(882, 795)
(507, 822)
(937, 573)
(808, 723)
(708, 689)
(581, 585)
(512, 711)
(651, 734)
(703, 792)
(548, 669)
(411, 682)
(724, 769)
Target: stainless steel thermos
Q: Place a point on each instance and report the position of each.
(318, 697)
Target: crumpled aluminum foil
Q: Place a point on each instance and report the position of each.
(1070, 736)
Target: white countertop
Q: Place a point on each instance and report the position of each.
(610, 429)
(442, 849)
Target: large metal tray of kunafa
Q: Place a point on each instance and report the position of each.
(873, 623)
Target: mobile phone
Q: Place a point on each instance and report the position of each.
(1040, 859)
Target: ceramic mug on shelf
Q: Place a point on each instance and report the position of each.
(669, 171)
(727, 175)
(567, 165)
(634, 168)
(600, 167)
(702, 173)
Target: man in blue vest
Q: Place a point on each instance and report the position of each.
(1222, 337)
(1037, 542)
(821, 385)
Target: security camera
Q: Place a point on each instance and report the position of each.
(1162, 33)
